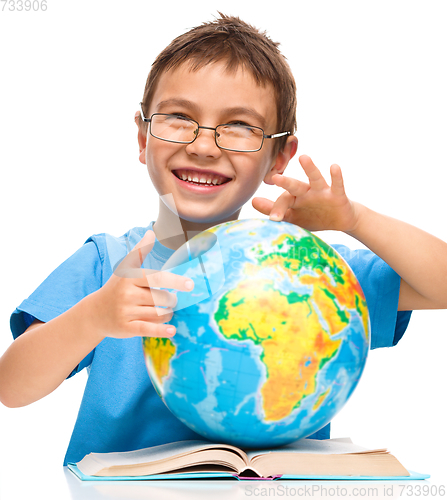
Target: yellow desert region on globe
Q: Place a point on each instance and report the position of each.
(270, 343)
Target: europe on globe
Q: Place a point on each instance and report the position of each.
(271, 342)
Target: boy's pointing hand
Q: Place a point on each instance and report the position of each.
(314, 206)
(130, 304)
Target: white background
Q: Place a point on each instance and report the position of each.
(371, 97)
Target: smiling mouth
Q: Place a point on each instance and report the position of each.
(193, 177)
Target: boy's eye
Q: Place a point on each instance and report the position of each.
(181, 116)
(239, 122)
(243, 128)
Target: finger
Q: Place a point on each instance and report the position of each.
(293, 186)
(166, 279)
(316, 180)
(337, 186)
(150, 313)
(262, 205)
(152, 279)
(149, 329)
(154, 297)
(135, 258)
(281, 205)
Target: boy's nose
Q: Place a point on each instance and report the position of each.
(204, 145)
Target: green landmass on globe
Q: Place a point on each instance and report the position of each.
(275, 352)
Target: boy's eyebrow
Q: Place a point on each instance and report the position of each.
(227, 111)
(246, 111)
(176, 102)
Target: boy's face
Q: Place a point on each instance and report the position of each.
(212, 96)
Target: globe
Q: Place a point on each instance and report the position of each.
(271, 342)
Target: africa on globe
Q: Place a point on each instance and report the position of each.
(271, 342)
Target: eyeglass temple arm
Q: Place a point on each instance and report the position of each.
(142, 114)
(274, 136)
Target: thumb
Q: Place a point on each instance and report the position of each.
(130, 266)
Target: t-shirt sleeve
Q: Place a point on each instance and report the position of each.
(381, 286)
(77, 277)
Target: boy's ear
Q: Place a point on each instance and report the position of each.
(141, 139)
(282, 159)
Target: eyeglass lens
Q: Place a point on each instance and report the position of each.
(233, 136)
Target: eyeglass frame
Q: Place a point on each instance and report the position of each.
(264, 135)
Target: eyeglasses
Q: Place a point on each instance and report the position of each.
(229, 136)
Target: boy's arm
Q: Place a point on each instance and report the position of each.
(419, 258)
(42, 357)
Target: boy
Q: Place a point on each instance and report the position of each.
(217, 119)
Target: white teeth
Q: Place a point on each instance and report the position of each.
(203, 180)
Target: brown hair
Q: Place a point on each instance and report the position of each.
(239, 44)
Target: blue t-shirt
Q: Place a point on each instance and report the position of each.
(120, 410)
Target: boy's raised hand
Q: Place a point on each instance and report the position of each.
(314, 206)
(127, 305)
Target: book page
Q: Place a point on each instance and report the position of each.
(316, 446)
(326, 457)
(94, 462)
(342, 440)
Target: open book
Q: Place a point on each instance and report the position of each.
(306, 458)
